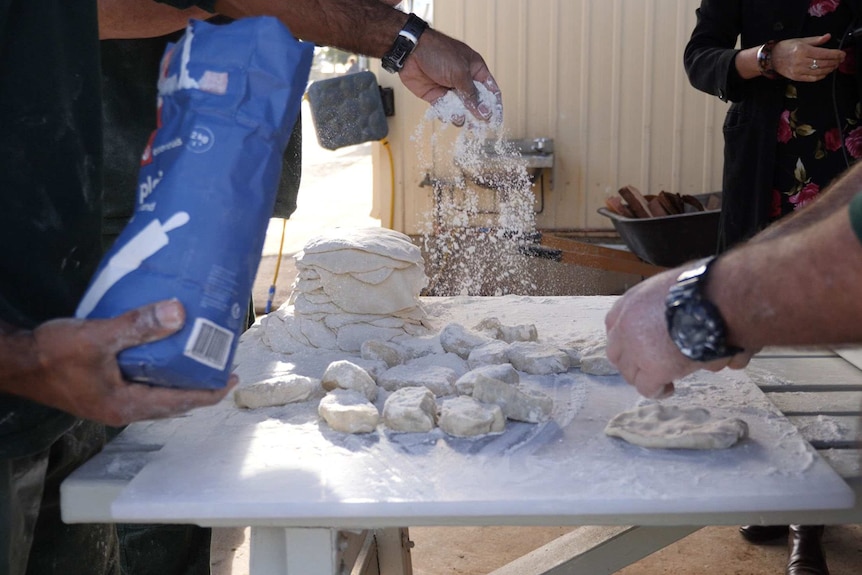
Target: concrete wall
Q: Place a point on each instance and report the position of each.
(602, 78)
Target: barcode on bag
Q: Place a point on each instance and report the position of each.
(209, 344)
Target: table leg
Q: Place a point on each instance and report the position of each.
(594, 550)
(294, 551)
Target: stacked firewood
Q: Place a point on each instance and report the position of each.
(630, 203)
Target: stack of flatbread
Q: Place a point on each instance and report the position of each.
(352, 285)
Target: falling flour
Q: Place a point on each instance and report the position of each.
(483, 214)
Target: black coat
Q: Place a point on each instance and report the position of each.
(751, 124)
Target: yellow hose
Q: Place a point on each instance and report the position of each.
(271, 295)
(388, 149)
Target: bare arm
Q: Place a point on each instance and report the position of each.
(800, 286)
(142, 18)
(71, 364)
(369, 27)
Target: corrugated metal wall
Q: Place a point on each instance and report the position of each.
(603, 78)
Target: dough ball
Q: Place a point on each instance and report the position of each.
(279, 390)
(344, 374)
(348, 411)
(503, 372)
(393, 354)
(440, 380)
(494, 352)
(538, 359)
(517, 404)
(455, 338)
(463, 416)
(411, 409)
(598, 364)
(672, 427)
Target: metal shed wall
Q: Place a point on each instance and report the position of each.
(603, 78)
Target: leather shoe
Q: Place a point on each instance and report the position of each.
(806, 552)
(763, 534)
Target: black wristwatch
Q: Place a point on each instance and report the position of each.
(694, 323)
(404, 43)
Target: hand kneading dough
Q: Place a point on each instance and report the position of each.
(463, 416)
(671, 427)
(278, 390)
(344, 374)
(411, 409)
(348, 411)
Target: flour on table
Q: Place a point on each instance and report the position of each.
(537, 358)
(440, 380)
(671, 427)
(517, 404)
(279, 390)
(348, 411)
(503, 372)
(410, 409)
(495, 352)
(464, 416)
(345, 374)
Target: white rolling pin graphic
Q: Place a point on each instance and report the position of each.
(152, 238)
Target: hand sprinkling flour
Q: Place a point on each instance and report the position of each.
(450, 108)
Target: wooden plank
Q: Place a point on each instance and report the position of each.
(595, 550)
(829, 431)
(804, 374)
(817, 403)
(597, 256)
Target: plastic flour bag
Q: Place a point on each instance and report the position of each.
(228, 99)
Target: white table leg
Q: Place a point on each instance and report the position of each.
(293, 551)
(595, 550)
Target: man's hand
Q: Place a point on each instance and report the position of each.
(71, 364)
(441, 63)
(639, 343)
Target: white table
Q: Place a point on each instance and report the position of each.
(307, 491)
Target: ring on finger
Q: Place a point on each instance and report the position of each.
(814, 65)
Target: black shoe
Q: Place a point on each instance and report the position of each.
(763, 534)
(806, 552)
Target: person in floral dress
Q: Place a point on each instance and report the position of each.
(788, 68)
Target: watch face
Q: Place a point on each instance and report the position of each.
(696, 332)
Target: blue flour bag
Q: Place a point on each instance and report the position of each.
(228, 99)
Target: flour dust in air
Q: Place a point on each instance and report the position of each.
(482, 220)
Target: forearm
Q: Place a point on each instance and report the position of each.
(795, 289)
(361, 26)
(120, 19)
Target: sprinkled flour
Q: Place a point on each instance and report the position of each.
(483, 213)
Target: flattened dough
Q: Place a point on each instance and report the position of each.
(279, 390)
(671, 427)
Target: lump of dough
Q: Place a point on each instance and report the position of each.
(392, 353)
(344, 374)
(492, 327)
(280, 390)
(455, 338)
(440, 380)
(348, 411)
(672, 427)
(410, 409)
(586, 345)
(503, 372)
(518, 404)
(494, 352)
(598, 364)
(537, 359)
(463, 416)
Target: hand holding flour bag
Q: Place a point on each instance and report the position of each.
(228, 99)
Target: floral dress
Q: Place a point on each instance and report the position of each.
(820, 129)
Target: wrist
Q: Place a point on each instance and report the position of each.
(405, 43)
(764, 60)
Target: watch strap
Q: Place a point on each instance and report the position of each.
(405, 43)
